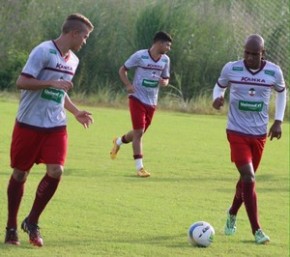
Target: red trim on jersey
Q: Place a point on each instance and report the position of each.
(27, 75)
(250, 83)
(24, 125)
(243, 134)
(66, 58)
(57, 70)
(153, 58)
(280, 91)
(221, 86)
(263, 63)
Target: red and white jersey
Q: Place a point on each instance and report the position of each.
(44, 108)
(250, 93)
(147, 75)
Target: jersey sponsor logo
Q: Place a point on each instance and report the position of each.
(145, 57)
(150, 83)
(238, 68)
(270, 72)
(251, 106)
(252, 92)
(63, 67)
(154, 66)
(52, 94)
(248, 79)
(52, 51)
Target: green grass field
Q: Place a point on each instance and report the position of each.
(102, 209)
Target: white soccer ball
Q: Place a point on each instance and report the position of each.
(201, 233)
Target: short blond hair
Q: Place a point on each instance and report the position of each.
(76, 21)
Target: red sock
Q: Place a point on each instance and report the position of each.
(44, 193)
(250, 199)
(124, 141)
(15, 192)
(238, 199)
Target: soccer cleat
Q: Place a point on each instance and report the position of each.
(230, 227)
(261, 237)
(33, 231)
(143, 173)
(115, 149)
(11, 236)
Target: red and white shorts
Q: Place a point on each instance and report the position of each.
(246, 149)
(32, 145)
(141, 114)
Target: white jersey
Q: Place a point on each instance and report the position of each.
(44, 108)
(250, 95)
(147, 75)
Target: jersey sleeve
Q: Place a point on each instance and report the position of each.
(133, 61)
(166, 71)
(223, 80)
(279, 85)
(36, 62)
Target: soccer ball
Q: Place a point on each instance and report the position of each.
(201, 233)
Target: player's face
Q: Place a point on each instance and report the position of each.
(164, 47)
(80, 39)
(253, 56)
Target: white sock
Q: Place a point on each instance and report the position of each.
(119, 141)
(139, 163)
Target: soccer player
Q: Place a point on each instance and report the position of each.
(40, 134)
(250, 82)
(151, 71)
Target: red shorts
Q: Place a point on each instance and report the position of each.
(31, 145)
(246, 149)
(141, 114)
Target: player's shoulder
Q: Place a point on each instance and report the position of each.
(234, 65)
(271, 65)
(46, 46)
(142, 52)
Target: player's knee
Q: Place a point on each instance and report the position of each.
(55, 171)
(20, 176)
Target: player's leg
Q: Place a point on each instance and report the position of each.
(15, 192)
(54, 150)
(21, 161)
(247, 172)
(140, 123)
(45, 191)
(118, 141)
(126, 138)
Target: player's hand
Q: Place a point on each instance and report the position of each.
(275, 130)
(218, 103)
(130, 89)
(85, 118)
(163, 82)
(62, 84)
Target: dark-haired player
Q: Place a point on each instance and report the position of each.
(151, 71)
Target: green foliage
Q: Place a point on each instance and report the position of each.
(10, 71)
(204, 38)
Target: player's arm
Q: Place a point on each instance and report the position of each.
(123, 73)
(164, 82)
(28, 82)
(218, 97)
(280, 105)
(221, 86)
(82, 117)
